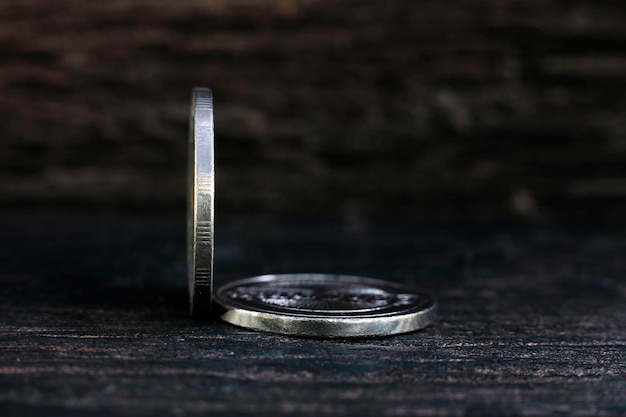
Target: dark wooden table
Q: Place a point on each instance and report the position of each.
(94, 321)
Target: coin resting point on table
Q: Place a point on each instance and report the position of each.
(201, 190)
(320, 305)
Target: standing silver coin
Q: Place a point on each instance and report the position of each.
(320, 305)
(201, 195)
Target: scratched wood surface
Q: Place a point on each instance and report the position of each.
(94, 321)
(466, 110)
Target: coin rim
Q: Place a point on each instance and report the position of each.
(201, 202)
(365, 325)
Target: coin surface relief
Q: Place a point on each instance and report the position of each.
(321, 305)
(200, 206)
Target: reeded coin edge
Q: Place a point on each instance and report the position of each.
(201, 202)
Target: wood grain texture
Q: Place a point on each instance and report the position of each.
(94, 321)
(470, 111)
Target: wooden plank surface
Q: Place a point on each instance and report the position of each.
(467, 110)
(94, 321)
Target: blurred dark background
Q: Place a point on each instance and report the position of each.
(362, 111)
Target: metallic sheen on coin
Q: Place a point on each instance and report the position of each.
(201, 194)
(320, 305)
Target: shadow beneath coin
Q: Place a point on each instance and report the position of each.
(117, 261)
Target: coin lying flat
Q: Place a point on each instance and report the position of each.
(201, 194)
(320, 305)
